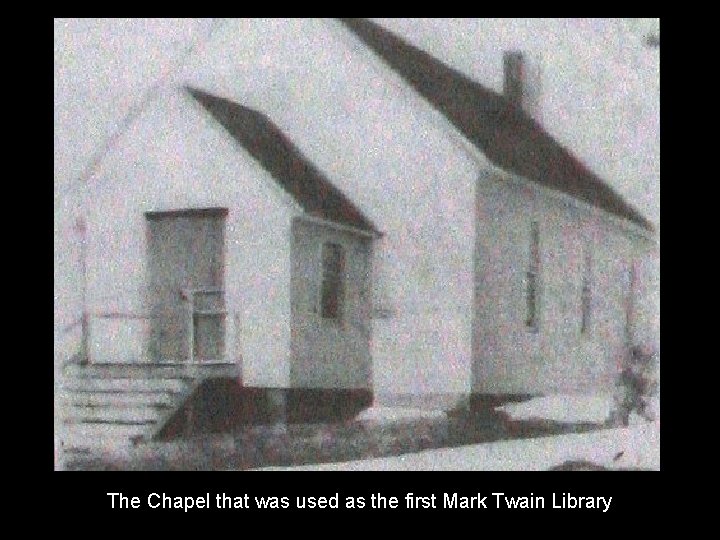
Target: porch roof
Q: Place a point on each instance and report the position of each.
(266, 142)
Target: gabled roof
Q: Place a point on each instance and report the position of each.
(265, 142)
(509, 138)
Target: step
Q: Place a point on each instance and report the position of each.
(126, 385)
(102, 435)
(151, 371)
(119, 399)
(114, 414)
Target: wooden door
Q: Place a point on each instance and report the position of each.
(185, 262)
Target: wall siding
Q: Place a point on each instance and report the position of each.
(507, 356)
(176, 157)
(326, 354)
(398, 160)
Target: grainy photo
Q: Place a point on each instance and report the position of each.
(357, 244)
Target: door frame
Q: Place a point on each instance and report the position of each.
(221, 213)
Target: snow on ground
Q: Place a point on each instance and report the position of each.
(562, 408)
(571, 408)
(640, 446)
(391, 414)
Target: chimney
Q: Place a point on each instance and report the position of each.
(521, 82)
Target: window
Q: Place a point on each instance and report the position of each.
(533, 276)
(586, 294)
(629, 285)
(332, 289)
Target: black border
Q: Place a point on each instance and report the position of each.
(646, 495)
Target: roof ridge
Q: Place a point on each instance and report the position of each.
(138, 107)
(509, 137)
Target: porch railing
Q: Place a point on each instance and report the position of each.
(206, 324)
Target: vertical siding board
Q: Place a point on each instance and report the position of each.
(507, 356)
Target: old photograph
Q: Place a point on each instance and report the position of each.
(357, 244)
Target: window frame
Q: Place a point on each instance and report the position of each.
(532, 280)
(340, 281)
(629, 286)
(586, 293)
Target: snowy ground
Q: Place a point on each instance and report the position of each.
(392, 414)
(562, 408)
(637, 445)
(571, 408)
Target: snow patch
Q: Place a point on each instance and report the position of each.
(636, 446)
(573, 408)
(562, 408)
(393, 414)
(632, 447)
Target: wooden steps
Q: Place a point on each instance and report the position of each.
(125, 385)
(110, 406)
(91, 399)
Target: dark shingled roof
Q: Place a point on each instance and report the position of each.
(510, 138)
(281, 158)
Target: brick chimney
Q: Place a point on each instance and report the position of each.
(521, 81)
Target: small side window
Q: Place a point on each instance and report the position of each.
(532, 280)
(332, 289)
(586, 294)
